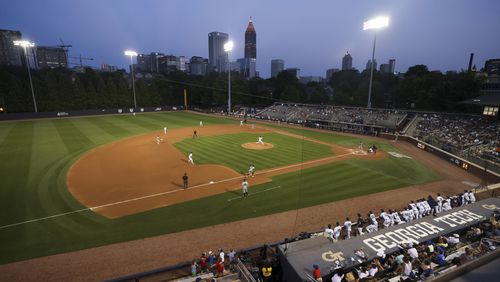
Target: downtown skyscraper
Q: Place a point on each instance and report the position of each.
(249, 63)
(217, 58)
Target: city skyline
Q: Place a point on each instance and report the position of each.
(312, 38)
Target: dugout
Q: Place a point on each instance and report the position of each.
(297, 258)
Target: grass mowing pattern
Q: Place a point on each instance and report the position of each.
(226, 150)
(38, 153)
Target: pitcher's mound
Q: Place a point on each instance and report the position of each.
(255, 146)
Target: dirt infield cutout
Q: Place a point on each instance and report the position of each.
(135, 175)
(256, 146)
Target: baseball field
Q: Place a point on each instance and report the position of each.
(77, 183)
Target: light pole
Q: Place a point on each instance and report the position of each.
(26, 44)
(132, 54)
(227, 48)
(375, 23)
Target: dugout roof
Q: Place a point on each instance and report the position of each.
(298, 257)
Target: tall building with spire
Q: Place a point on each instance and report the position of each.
(248, 64)
(347, 62)
(250, 41)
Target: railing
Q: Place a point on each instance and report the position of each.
(245, 275)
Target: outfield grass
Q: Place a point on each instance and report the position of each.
(226, 150)
(37, 154)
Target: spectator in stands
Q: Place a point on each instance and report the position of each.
(317, 273)
(211, 259)
(372, 270)
(219, 265)
(222, 255)
(338, 275)
(426, 269)
(203, 262)
(194, 268)
(412, 252)
(267, 272)
(454, 239)
(440, 259)
(232, 259)
(407, 274)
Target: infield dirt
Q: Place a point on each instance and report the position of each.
(137, 174)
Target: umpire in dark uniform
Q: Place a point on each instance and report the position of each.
(185, 180)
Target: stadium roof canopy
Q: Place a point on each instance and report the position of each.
(484, 100)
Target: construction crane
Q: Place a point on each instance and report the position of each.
(81, 60)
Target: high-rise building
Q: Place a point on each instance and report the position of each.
(384, 68)
(217, 58)
(9, 53)
(277, 66)
(246, 67)
(492, 67)
(347, 62)
(168, 64)
(369, 64)
(198, 65)
(149, 62)
(330, 72)
(250, 41)
(392, 65)
(51, 57)
(294, 71)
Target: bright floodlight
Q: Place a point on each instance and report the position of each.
(228, 46)
(24, 43)
(131, 53)
(376, 23)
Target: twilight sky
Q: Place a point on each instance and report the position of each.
(310, 35)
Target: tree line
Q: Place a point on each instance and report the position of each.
(62, 89)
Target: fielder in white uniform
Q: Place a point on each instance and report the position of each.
(336, 231)
(329, 232)
(348, 225)
(190, 158)
(201, 123)
(244, 187)
(260, 140)
(165, 130)
(251, 170)
(241, 123)
(472, 197)
(439, 207)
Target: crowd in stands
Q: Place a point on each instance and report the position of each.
(299, 113)
(460, 134)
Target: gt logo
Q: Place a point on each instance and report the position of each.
(331, 256)
(490, 207)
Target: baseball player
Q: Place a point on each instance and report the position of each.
(185, 181)
(158, 139)
(360, 223)
(439, 207)
(427, 207)
(371, 226)
(447, 204)
(241, 122)
(259, 141)
(472, 197)
(190, 158)
(336, 231)
(348, 225)
(165, 130)
(201, 123)
(387, 219)
(466, 197)
(329, 232)
(244, 186)
(421, 209)
(251, 170)
(373, 219)
(414, 209)
(195, 134)
(411, 214)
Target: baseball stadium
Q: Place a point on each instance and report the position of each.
(123, 159)
(99, 192)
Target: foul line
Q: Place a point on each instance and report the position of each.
(166, 193)
(240, 197)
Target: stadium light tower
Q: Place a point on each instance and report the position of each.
(132, 54)
(26, 44)
(228, 47)
(376, 23)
